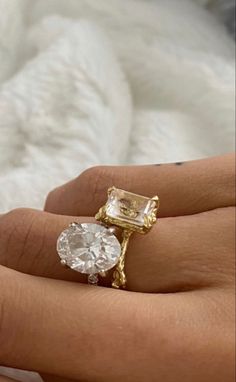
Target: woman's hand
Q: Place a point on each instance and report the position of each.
(190, 247)
(160, 336)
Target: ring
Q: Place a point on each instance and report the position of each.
(94, 249)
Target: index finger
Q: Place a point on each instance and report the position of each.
(183, 188)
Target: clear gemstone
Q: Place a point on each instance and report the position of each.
(129, 207)
(93, 279)
(88, 248)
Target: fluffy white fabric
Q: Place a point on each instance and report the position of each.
(87, 82)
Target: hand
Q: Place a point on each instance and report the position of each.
(191, 254)
(182, 250)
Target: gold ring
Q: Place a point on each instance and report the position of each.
(94, 249)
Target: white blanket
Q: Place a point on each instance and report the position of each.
(86, 82)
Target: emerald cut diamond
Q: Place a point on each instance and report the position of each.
(125, 207)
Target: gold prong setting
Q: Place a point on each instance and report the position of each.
(94, 249)
(132, 213)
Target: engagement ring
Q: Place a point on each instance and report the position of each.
(94, 249)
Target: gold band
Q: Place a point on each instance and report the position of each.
(119, 277)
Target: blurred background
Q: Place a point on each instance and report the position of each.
(85, 82)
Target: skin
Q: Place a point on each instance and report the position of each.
(181, 328)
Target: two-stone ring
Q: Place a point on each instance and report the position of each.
(94, 249)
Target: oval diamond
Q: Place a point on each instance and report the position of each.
(88, 248)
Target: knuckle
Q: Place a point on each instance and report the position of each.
(17, 216)
(96, 180)
(15, 229)
(226, 183)
(50, 200)
(92, 174)
(5, 347)
(12, 298)
(2, 325)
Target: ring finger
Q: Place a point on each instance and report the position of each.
(169, 258)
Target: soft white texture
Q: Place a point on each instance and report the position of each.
(87, 82)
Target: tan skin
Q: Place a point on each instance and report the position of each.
(181, 329)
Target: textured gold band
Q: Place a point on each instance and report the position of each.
(119, 277)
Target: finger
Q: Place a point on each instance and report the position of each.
(6, 379)
(76, 331)
(184, 253)
(28, 243)
(183, 188)
(52, 378)
(178, 253)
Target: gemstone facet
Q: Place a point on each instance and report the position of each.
(88, 248)
(128, 207)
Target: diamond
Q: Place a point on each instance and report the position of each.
(88, 248)
(93, 279)
(127, 207)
